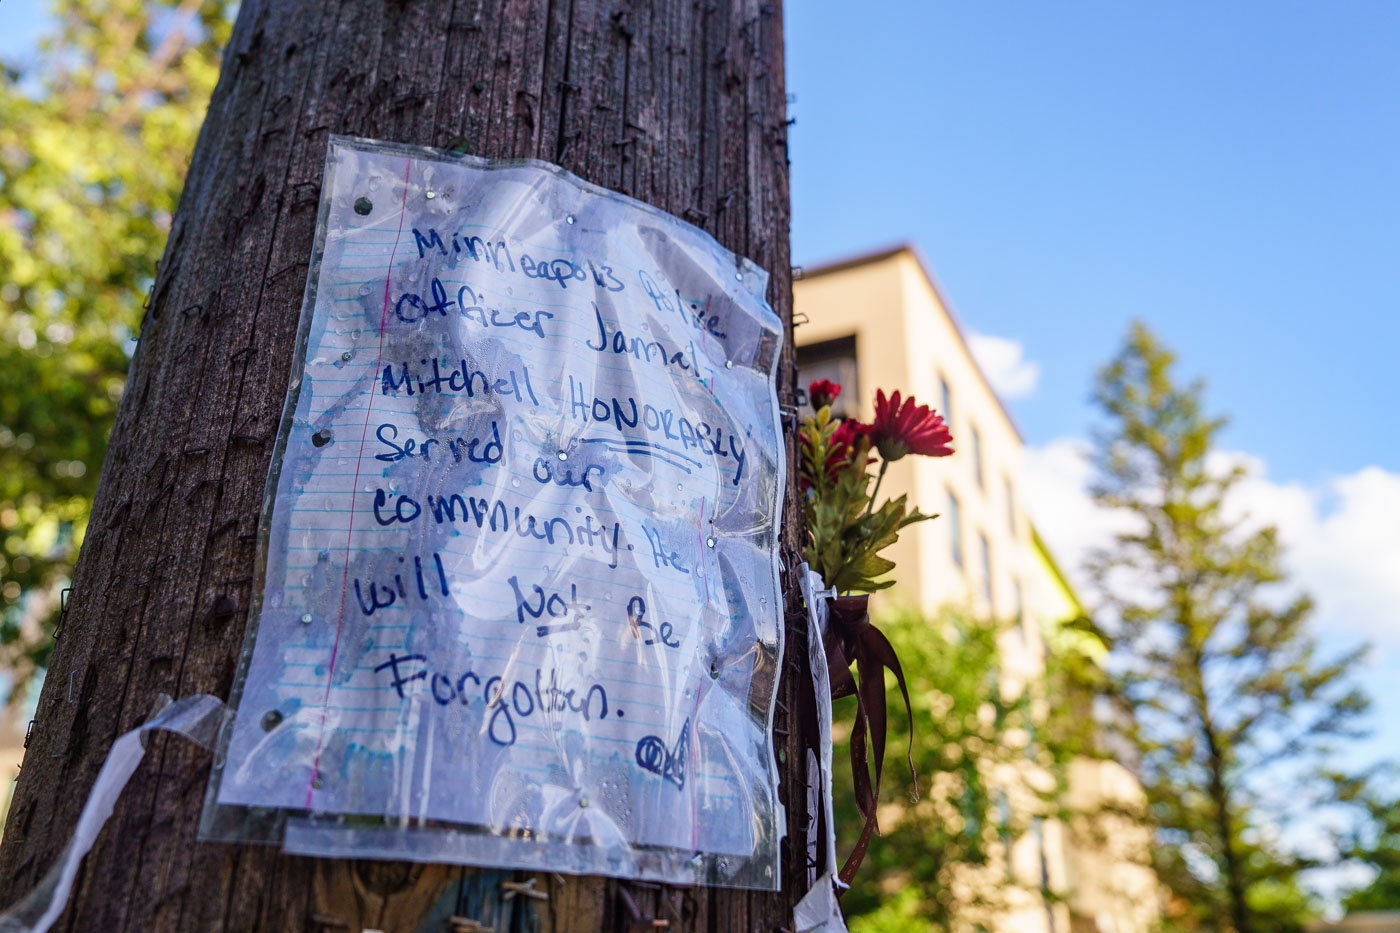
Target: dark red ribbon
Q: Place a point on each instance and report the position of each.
(852, 639)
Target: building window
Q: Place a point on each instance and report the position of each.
(834, 360)
(1010, 506)
(986, 569)
(947, 394)
(977, 456)
(955, 527)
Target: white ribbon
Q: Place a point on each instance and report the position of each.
(196, 718)
(819, 909)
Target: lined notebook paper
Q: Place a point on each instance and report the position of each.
(520, 576)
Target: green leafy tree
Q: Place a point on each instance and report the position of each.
(1233, 707)
(942, 861)
(95, 135)
(1375, 840)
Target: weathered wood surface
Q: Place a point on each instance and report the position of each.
(678, 103)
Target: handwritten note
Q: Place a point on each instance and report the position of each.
(520, 573)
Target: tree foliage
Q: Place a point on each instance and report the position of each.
(95, 135)
(1375, 841)
(1233, 707)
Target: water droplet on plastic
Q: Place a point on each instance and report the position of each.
(728, 364)
(364, 290)
(429, 195)
(306, 618)
(346, 356)
(709, 542)
(271, 720)
(583, 801)
(363, 206)
(738, 276)
(569, 219)
(515, 481)
(563, 456)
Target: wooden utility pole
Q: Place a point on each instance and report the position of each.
(679, 103)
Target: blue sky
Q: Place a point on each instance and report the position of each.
(21, 22)
(1224, 171)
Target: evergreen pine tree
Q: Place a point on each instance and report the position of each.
(1233, 708)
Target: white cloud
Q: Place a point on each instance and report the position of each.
(1057, 495)
(1340, 536)
(1003, 360)
(1343, 546)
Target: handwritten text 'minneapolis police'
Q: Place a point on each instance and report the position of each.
(564, 273)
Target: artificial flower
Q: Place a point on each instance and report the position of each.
(823, 392)
(907, 428)
(843, 443)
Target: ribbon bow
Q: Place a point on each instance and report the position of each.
(852, 639)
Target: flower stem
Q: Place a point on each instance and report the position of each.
(878, 478)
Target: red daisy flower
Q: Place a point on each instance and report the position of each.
(908, 428)
(823, 392)
(843, 443)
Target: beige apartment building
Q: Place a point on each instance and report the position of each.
(879, 320)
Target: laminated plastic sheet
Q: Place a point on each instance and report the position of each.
(518, 597)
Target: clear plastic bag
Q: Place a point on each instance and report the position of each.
(518, 584)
